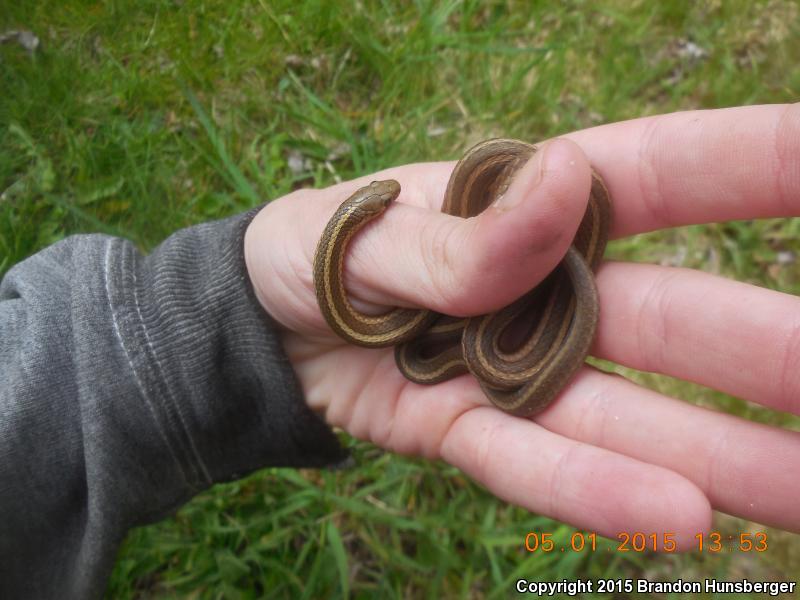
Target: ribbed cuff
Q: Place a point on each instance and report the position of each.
(223, 395)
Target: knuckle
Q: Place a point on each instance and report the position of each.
(787, 173)
(650, 184)
(445, 265)
(789, 375)
(653, 322)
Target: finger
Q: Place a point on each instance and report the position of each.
(584, 485)
(730, 336)
(744, 468)
(413, 256)
(516, 459)
(699, 166)
(675, 456)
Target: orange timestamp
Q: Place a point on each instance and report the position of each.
(713, 542)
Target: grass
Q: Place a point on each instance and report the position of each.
(138, 118)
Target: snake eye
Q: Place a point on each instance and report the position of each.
(375, 203)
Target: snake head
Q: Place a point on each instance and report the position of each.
(375, 197)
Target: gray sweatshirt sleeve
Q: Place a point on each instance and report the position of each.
(128, 384)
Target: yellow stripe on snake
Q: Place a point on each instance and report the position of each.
(522, 355)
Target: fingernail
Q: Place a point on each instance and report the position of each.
(532, 171)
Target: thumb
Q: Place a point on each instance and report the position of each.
(414, 255)
(464, 267)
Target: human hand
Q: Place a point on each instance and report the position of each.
(607, 455)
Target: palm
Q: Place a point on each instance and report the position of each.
(608, 455)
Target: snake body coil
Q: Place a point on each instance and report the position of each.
(522, 355)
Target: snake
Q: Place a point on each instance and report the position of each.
(522, 355)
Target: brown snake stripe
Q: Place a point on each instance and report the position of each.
(522, 355)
